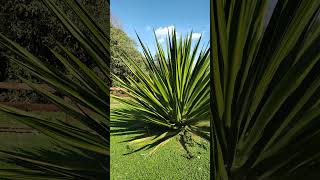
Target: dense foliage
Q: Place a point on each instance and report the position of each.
(120, 42)
(35, 27)
(88, 139)
(265, 90)
(168, 99)
(32, 24)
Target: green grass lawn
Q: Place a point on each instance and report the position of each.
(27, 141)
(169, 161)
(10, 141)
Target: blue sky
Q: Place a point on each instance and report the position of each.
(146, 15)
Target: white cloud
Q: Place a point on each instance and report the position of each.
(163, 31)
(161, 40)
(196, 36)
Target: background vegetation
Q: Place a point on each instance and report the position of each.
(89, 104)
(34, 27)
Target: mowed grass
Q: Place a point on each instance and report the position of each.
(168, 162)
(11, 142)
(26, 141)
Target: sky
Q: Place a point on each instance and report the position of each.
(144, 16)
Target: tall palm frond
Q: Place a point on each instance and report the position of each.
(89, 94)
(265, 89)
(168, 98)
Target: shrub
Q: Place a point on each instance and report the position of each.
(168, 98)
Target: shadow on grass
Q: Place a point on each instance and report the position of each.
(150, 135)
(55, 162)
(132, 122)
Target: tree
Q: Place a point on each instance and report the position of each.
(34, 26)
(122, 47)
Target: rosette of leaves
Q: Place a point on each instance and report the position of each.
(167, 98)
(265, 89)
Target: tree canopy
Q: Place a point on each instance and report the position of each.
(121, 42)
(32, 25)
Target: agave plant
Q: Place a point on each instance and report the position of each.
(170, 97)
(265, 90)
(89, 95)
